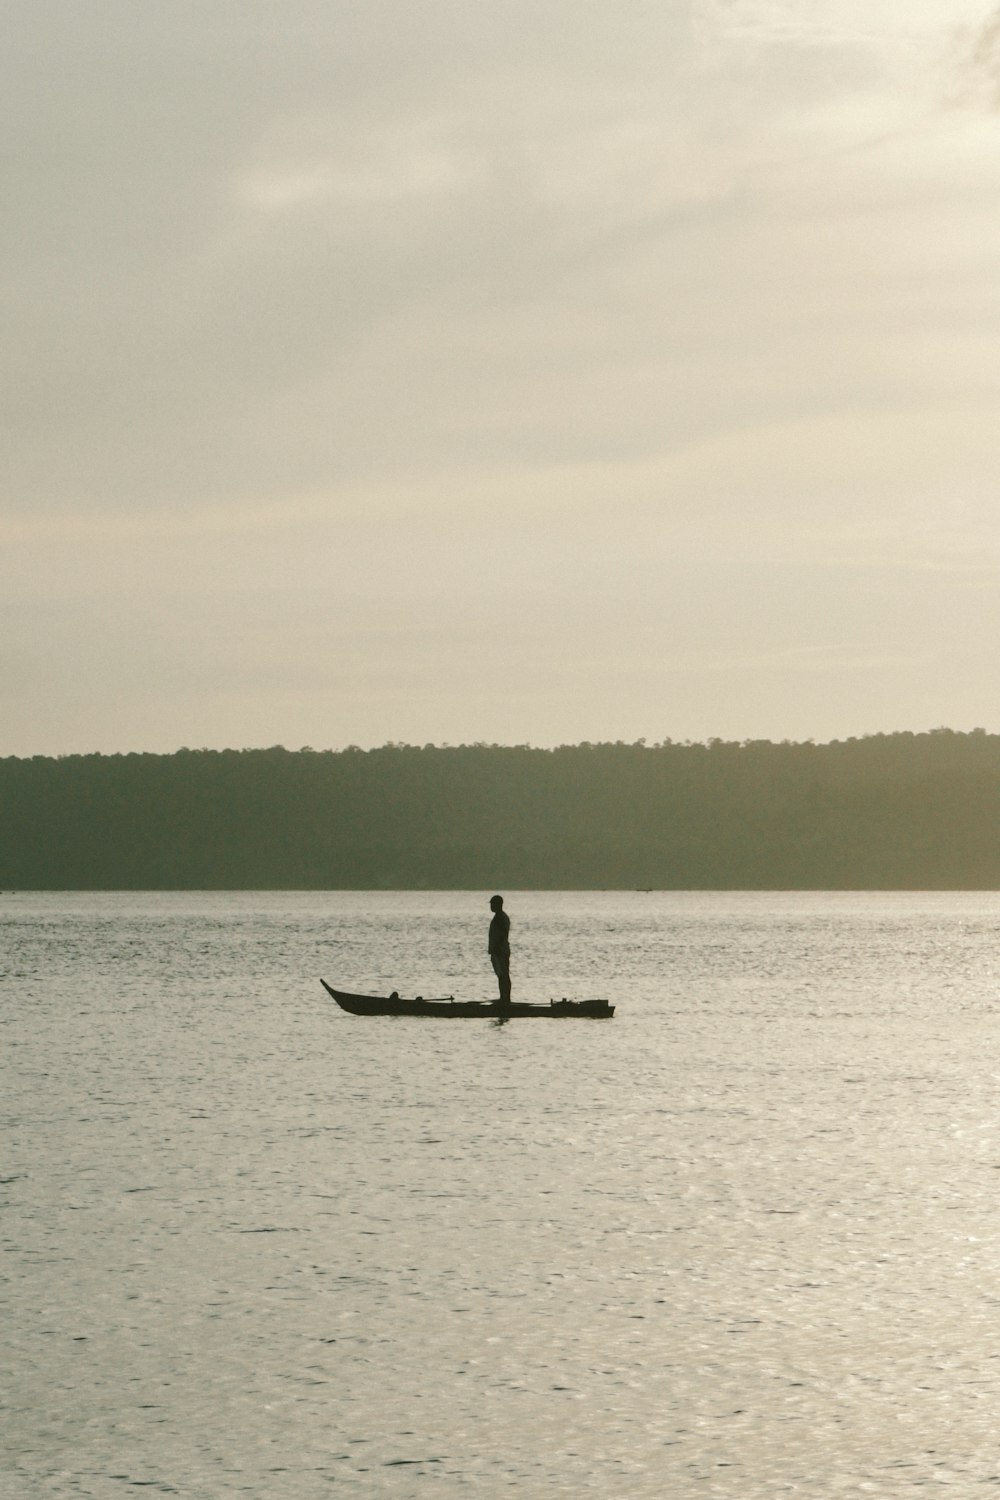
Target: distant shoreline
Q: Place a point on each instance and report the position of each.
(908, 812)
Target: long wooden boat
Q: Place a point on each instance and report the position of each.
(452, 1009)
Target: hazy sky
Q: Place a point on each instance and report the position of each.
(531, 371)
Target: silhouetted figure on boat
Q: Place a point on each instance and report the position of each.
(499, 946)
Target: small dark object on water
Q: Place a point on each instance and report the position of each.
(392, 1005)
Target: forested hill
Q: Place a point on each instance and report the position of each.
(889, 811)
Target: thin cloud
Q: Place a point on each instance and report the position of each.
(984, 60)
(894, 24)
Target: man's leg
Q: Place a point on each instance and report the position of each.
(501, 969)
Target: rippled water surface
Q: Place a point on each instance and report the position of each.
(742, 1241)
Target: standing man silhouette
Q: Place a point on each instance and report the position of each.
(499, 946)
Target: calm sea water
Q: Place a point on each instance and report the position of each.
(742, 1241)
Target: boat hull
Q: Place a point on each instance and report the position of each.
(449, 1009)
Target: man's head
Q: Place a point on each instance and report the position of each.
(496, 903)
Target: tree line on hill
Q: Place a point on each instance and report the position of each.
(893, 811)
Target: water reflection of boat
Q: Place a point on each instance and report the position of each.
(449, 1007)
